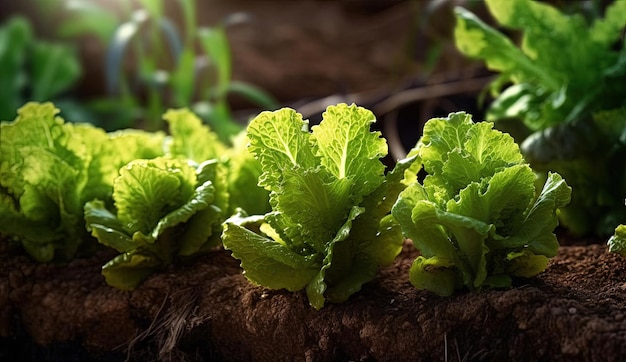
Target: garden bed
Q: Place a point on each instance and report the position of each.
(207, 310)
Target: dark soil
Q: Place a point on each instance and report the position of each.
(207, 310)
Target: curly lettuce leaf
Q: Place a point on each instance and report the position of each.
(243, 175)
(330, 204)
(476, 219)
(49, 169)
(164, 208)
(459, 152)
(112, 151)
(264, 260)
(148, 189)
(336, 137)
(190, 138)
(280, 141)
(44, 166)
(617, 242)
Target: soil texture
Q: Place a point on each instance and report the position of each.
(208, 311)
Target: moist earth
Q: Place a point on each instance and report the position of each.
(207, 310)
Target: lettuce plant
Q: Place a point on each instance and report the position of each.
(152, 197)
(49, 169)
(164, 208)
(617, 242)
(330, 226)
(477, 219)
(191, 139)
(565, 84)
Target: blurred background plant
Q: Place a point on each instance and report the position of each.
(171, 53)
(191, 68)
(32, 69)
(150, 65)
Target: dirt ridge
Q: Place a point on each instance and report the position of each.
(207, 310)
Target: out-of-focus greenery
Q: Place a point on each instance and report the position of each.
(173, 68)
(32, 69)
(150, 65)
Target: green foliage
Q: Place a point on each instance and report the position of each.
(190, 138)
(49, 169)
(171, 207)
(566, 84)
(165, 207)
(151, 197)
(547, 89)
(476, 219)
(329, 228)
(243, 174)
(195, 141)
(171, 67)
(87, 17)
(31, 69)
(617, 242)
(177, 69)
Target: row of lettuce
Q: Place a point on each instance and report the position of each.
(302, 209)
(314, 209)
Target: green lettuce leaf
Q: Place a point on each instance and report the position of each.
(190, 138)
(436, 274)
(265, 261)
(112, 151)
(128, 270)
(198, 236)
(280, 141)
(48, 170)
(476, 219)
(243, 175)
(348, 150)
(617, 242)
(330, 226)
(567, 110)
(164, 208)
